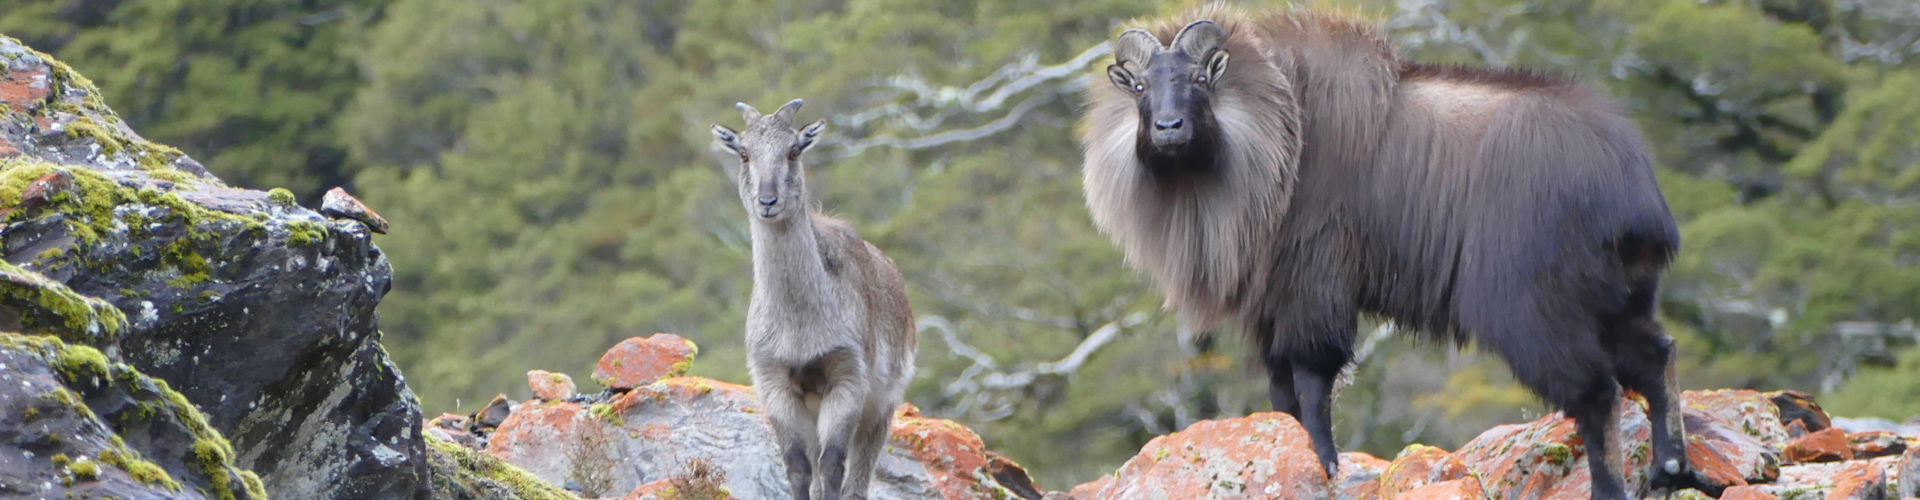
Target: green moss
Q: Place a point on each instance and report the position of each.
(1557, 453)
(474, 466)
(48, 254)
(80, 318)
(90, 212)
(64, 82)
(305, 233)
(84, 470)
(181, 179)
(607, 413)
(213, 461)
(143, 471)
(29, 414)
(191, 266)
(82, 364)
(281, 196)
(109, 142)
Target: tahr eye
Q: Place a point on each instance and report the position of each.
(1139, 88)
(743, 157)
(1202, 79)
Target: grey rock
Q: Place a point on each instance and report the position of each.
(261, 313)
(74, 427)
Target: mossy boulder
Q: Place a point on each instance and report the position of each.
(255, 309)
(84, 428)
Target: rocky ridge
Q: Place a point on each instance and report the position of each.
(662, 433)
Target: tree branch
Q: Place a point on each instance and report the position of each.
(988, 95)
(985, 384)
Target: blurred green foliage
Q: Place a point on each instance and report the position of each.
(548, 171)
(251, 88)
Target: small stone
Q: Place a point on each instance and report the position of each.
(1799, 406)
(1824, 446)
(637, 361)
(494, 413)
(550, 386)
(44, 189)
(1871, 444)
(337, 203)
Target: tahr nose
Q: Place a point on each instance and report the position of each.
(1173, 124)
(768, 201)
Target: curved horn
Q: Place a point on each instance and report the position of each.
(747, 112)
(1133, 48)
(786, 111)
(1200, 39)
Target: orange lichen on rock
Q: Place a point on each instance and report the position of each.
(953, 454)
(1825, 446)
(637, 360)
(1263, 455)
(1420, 465)
(1465, 487)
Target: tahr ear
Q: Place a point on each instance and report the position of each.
(727, 138)
(1216, 66)
(1123, 79)
(809, 135)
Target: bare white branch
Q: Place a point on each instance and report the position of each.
(989, 391)
(927, 107)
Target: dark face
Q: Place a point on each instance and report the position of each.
(1175, 96)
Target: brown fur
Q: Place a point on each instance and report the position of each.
(1509, 208)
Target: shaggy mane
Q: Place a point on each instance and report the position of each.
(1179, 230)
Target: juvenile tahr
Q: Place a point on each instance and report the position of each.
(830, 336)
(1283, 172)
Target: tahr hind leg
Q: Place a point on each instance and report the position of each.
(1644, 362)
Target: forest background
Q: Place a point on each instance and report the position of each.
(553, 189)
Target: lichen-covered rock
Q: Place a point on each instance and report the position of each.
(1263, 455)
(638, 361)
(1871, 444)
(461, 473)
(1795, 406)
(259, 312)
(1835, 480)
(1545, 458)
(1359, 476)
(550, 385)
(1746, 493)
(73, 425)
(1420, 465)
(1455, 489)
(454, 429)
(691, 431)
(1827, 445)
